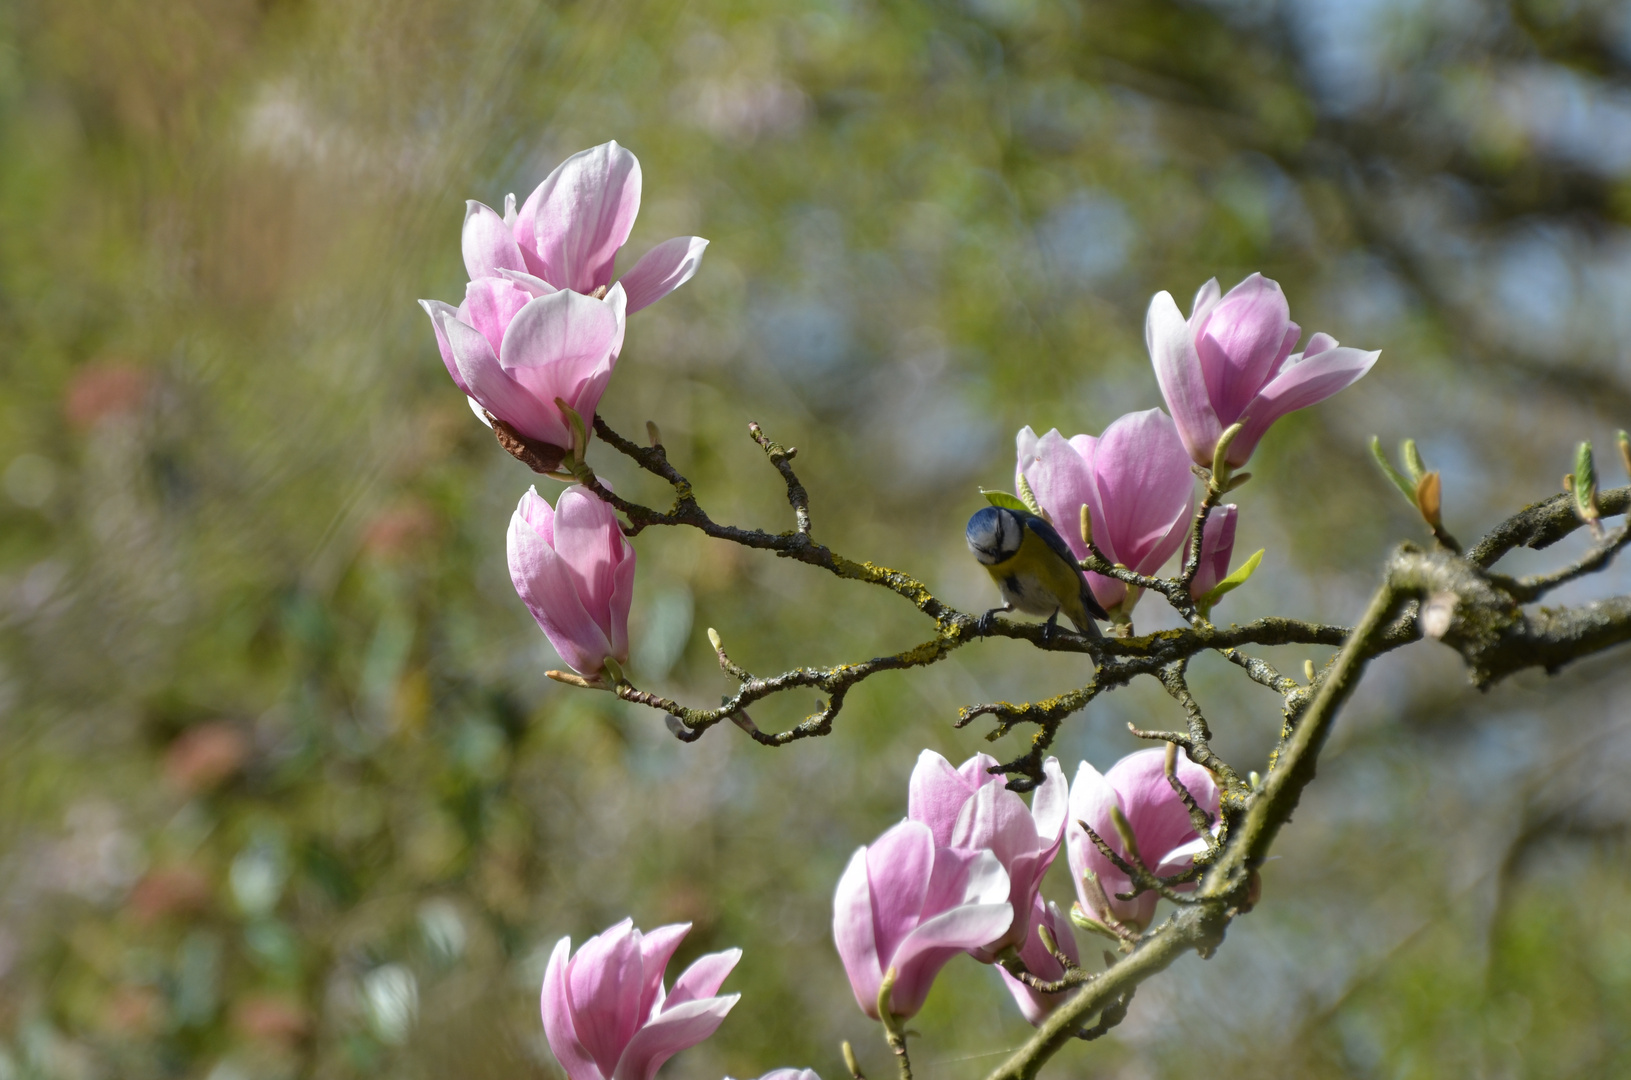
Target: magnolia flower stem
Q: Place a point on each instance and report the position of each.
(893, 1033)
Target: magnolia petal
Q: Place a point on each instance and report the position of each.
(575, 221)
(1145, 490)
(935, 794)
(490, 303)
(656, 949)
(605, 985)
(1240, 344)
(489, 244)
(1050, 802)
(928, 948)
(854, 936)
(1062, 481)
(1178, 371)
(437, 311)
(703, 978)
(533, 285)
(899, 865)
(1217, 548)
(499, 394)
(1308, 382)
(590, 542)
(547, 586)
(662, 270)
(671, 1031)
(557, 1009)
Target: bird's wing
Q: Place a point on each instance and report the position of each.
(1051, 537)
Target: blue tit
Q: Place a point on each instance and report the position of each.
(1034, 569)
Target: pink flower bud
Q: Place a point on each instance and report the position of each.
(1136, 785)
(1217, 548)
(969, 808)
(1040, 962)
(574, 568)
(1134, 479)
(1231, 361)
(906, 906)
(606, 1015)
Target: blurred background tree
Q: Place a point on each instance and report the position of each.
(283, 791)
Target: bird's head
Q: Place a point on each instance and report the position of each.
(994, 534)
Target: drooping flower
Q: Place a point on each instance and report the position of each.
(905, 905)
(1231, 360)
(1034, 1004)
(513, 353)
(969, 808)
(1217, 548)
(574, 568)
(1135, 480)
(606, 1015)
(1161, 827)
(568, 232)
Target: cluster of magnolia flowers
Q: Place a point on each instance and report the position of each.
(961, 875)
(533, 345)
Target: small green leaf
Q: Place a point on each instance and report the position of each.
(1585, 484)
(1412, 460)
(1406, 488)
(1005, 500)
(1233, 581)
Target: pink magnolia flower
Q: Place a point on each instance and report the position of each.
(970, 809)
(568, 232)
(1217, 548)
(905, 905)
(574, 568)
(1167, 843)
(789, 1074)
(1040, 962)
(606, 1015)
(1232, 361)
(513, 350)
(1134, 478)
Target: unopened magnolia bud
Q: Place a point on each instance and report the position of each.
(1308, 670)
(653, 434)
(1046, 937)
(1585, 484)
(1623, 441)
(1087, 526)
(850, 1063)
(715, 640)
(1124, 829)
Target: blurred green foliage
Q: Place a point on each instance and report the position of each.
(283, 791)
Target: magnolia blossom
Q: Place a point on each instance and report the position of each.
(789, 1074)
(1135, 480)
(514, 350)
(1217, 548)
(568, 232)
(574, 568)
(906, 905)
(969, 808)
(1161, 826)
(1042, 963)
(1232, 362)
(606, 1015)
